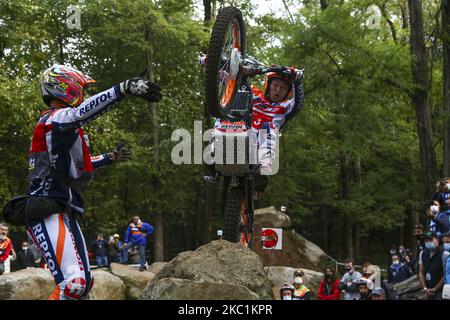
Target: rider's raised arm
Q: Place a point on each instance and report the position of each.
(72, 118)
(101, 160)
(296, 103)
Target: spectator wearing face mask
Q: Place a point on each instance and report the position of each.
(348, 283)
(25, 258)
(418, 233)
(287, 291)
(392, 251)
(301, 291)
(329, 286)
(431, 267)
(5, 246)
(438, 220)
(398, 271)
(446, 246)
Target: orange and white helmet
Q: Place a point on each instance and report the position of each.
(275, 75)
(64, 83)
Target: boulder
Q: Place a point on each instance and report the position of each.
(182, 289)
(280, 275)
(219, 261)
(135, 281)
(410, 289)
(28, 284)
(296, 251)
(107, 286)
(271, 218)
(156, 267)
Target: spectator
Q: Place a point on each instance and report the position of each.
(101, 250)
(37, 256)
(398, 271)
(136, 235)
(444, 195)
(363, 289)
(5, 246)
(402, 253)
(378, 294)
(329, 286)
(115, 249)
(438, 219)
(369, 274)
(287, 291)
(392, 251)
(446, 245)
(25, 258)
(431, 273)
(409, 261)
(349, 281)
(418, 232)
(301, 291)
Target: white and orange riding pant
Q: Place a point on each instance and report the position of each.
(63, 247)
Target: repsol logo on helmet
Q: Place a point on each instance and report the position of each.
(95, 102)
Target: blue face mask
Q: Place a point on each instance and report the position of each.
(447, 246)
(430, 245)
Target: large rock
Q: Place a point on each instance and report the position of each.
(107, 286)
(156, 267)
(271, 218)
(28, 284)
(296, 251)
(280, 275)
(182, 289)
(135, 281)
(219, 261)
(410, 289)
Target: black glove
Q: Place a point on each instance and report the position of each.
(121, 153)
(141, 88)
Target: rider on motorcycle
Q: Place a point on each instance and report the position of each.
(281, 99)
(61, 166)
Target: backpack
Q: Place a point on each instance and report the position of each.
(24, 208)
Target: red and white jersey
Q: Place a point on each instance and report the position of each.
(275, 113)
(59, 145)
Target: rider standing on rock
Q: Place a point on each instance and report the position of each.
(61, 166)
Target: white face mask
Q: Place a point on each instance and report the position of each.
(298, 280)
(2, 237)
(287, 297)
(434, 209)
(448, 186)
(139, 221)
(24, 248)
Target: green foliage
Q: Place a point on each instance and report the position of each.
(357, 82)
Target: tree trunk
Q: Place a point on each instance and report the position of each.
(405, 16)
(348, 239)
(345, 192)
(420, 97)
(357, 240)
(323, 4)
(159, 225)
(385, 15)
(446, 83)
(325, 228)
